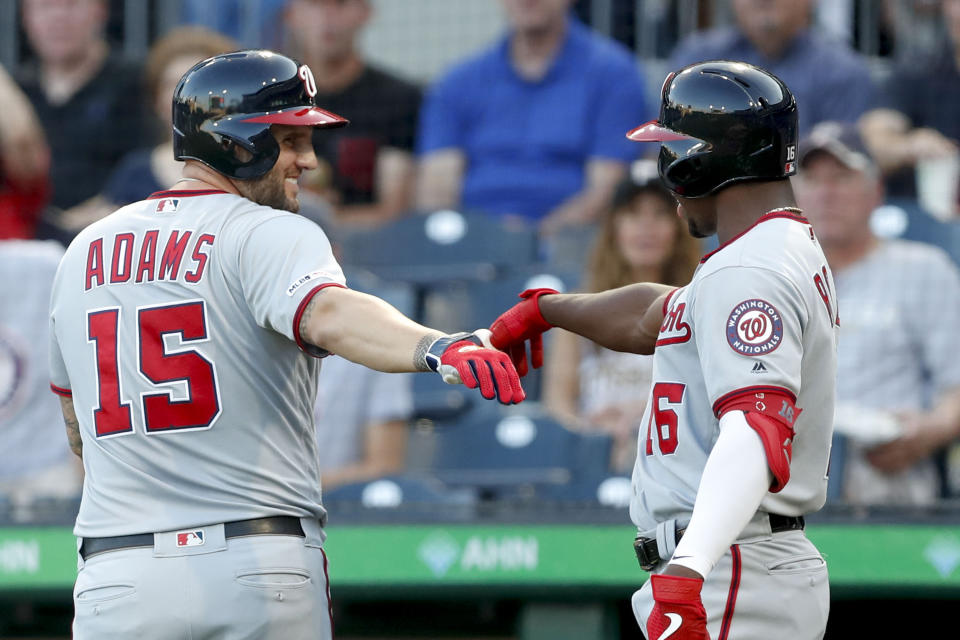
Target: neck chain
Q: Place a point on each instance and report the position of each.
(791, 209)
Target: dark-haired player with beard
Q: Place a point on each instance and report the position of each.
(182, 329)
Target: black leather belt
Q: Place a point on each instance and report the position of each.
(649, 555)
(276, 525)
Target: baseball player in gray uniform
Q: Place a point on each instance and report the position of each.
(735, 441)
(182, 332)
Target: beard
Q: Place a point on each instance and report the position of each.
(270, 191)
(695, 230)
(701, 227)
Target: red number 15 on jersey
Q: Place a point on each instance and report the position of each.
(158, 365)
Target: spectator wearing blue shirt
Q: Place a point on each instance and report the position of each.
(252, 24)
(533, 127)
(829, 80)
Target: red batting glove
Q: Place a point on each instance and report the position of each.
(521, 322)
(463, 358)
(678, 612)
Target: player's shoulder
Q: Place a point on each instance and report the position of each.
(261, 230)
(776, 241)
(247, 216)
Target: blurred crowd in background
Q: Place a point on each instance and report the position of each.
(487, 153)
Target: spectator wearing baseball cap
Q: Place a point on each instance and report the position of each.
(898, 377)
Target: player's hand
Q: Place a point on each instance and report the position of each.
(520, 323)
(678, 612)
(467, 358)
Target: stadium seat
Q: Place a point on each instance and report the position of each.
(499, 451)
(597, 489)
(489, 298)
(434, 399)
(441, 246)
(477, 303)
(415, 496)
(905, 218)
(459, 306)
(399, 294)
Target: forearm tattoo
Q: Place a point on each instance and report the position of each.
(419, 354)
(73, 434)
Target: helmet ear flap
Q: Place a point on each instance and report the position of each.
(684, 167)
(242, 150)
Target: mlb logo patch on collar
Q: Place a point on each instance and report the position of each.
(168, 205)
(193, 538)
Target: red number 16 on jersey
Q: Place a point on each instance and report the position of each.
(158, 365)
(664, 418)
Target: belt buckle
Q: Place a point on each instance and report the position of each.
(641, 547)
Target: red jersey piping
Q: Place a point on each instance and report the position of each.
(767, 216)
(732, 593)
(184, 193)
(302, 307)
(60, 391)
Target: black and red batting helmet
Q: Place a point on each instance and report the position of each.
(231, 100)
(722, 122)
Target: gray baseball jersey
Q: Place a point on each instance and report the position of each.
(759, 315)
(173, 324)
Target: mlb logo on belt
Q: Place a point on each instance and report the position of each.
(190, 538)
(168, 205)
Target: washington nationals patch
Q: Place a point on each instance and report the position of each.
(754, 328)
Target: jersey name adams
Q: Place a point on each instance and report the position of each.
(146, 256)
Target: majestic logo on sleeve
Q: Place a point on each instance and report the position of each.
(754, 328)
